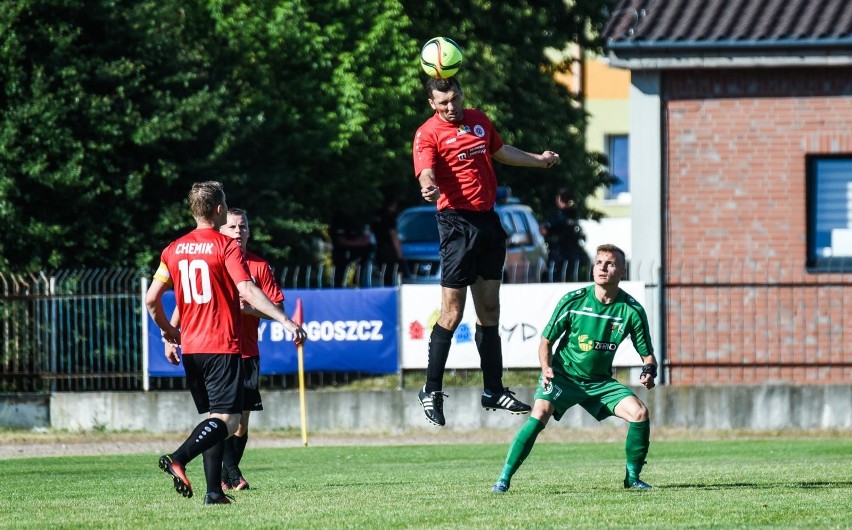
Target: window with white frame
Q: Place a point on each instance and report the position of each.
(829, 213)
(617, 152)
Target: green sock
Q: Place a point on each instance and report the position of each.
(636, 446)
(520, 448)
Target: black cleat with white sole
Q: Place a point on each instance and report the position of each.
(433, 406)
(504, 400)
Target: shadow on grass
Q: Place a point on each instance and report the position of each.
(763, 485)
(725, 486)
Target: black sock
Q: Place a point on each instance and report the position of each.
(212, 458)
(490, 357)
(439, 349)
(230, 469)
(240, 447)
(205, 435)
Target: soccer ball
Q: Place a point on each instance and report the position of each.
(441, 57)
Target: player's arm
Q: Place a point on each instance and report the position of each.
(265, 279)
(428, 189)
(171, 348)
(253, 294)
(250, 310)
(513, 156)
(425, 155)
(640, 334)
(154, 303)
(545, 359)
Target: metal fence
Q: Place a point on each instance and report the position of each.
(72, 330)
(355, 275)
(81, 330)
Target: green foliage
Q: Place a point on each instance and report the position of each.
(769, 483)
(111, 109)
(107, 108)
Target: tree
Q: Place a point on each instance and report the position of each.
(107, 108)
(111, 109)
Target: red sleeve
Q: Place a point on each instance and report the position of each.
(265, 279)
(425, 150)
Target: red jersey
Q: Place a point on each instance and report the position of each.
(205, 267)
(263, 277)
(460, 155)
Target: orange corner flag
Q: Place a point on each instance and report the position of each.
(297, 314)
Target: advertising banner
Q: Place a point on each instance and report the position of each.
(349, 330)
(524, 311)
(158, 366)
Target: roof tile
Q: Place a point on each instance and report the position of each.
(744, 22)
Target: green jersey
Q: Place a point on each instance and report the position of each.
(591, 332)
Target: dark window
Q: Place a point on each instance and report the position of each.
(829, 212)
(617, 152)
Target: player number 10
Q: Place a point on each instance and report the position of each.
(195, 274)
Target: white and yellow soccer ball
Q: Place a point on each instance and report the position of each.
(441, 57)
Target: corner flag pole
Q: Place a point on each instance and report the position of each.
(297, 318)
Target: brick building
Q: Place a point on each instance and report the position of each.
(741, 181)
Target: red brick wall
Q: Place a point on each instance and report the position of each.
(740, 305)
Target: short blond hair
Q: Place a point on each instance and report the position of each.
(614, 250)
(204, 197)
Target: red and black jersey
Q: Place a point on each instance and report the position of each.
(460, 155)
(205, 267)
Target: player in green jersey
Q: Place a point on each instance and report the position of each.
(590, 323)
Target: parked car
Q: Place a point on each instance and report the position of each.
(526, 252)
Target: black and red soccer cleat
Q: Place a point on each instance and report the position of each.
(241, 484)
(217, 498)
(176, 470)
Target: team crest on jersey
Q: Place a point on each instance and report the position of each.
(479, 131)
(463, 129)
(550, 388)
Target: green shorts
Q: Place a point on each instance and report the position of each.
(599, 398)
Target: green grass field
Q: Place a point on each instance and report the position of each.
(796, 483)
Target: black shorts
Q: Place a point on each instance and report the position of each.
(473, 244)
(251, 378)
(215, 381)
